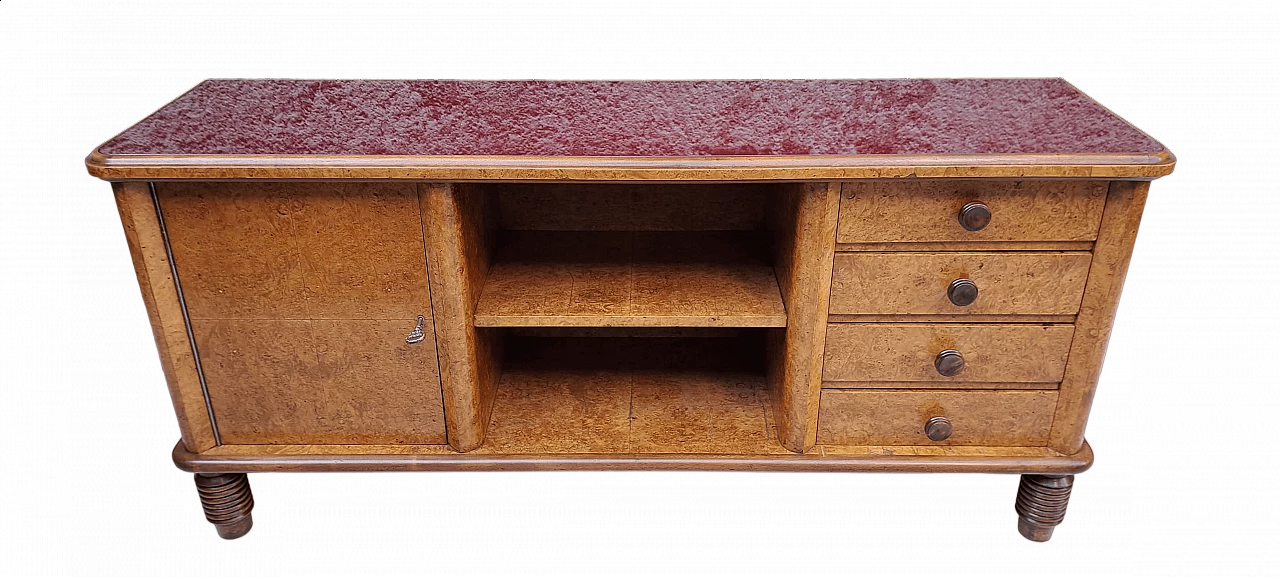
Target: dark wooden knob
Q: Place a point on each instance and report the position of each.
(962, 292)
(949, 363)
(975, 216)
(938, 429)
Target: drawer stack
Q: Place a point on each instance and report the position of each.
(952, 309)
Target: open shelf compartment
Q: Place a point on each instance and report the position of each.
(630, 255)
(726, 270)
(633, 394)
(632, 279)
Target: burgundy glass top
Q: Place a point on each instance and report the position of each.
(632, 118)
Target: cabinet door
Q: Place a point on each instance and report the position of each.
(300, 297)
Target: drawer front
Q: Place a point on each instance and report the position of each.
(908, 353)
(989, 418)
(929, 211)
(301, 297)
(883, 283)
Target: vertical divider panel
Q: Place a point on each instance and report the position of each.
(803, 218)
(168, 325)
(460, 226)
(1111, 253)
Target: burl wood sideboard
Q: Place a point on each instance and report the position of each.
(833, 275)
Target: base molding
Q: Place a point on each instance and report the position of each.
(972, 461)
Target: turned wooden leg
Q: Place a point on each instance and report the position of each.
(227, 502)
(1041, 504)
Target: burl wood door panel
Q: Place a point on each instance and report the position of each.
(300, 297)
(1009, 283)
(927, 210)
(905, 353)
(989, 418)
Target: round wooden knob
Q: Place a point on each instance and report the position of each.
(975, 216)
(962, 292)
(949, 363)
(938, 429)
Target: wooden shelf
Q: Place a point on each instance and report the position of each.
(632, 395)
(631, 279)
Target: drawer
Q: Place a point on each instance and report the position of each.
(929, 210)
(907, 354)
(990, 418)
(1007, 283)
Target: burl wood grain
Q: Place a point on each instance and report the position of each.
(460, 227)
(297, 250)
(631, 206)
(673, 279)
(320, 381)
(995, 418)
(236, 247)
(916, 283)
(906, 352)
(300, 296)
(926, 210)
(160, 295)
(1098, 312)
(803, 220)
(632, 395)
(363, 254)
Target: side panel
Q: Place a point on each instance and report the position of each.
(803, 221)
(1111, 253)
(460, 226)
(160, 294)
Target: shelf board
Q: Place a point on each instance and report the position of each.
(631, 279)
(626, 395)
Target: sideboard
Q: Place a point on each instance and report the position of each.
(808, 275)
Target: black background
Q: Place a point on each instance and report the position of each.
(563, 522)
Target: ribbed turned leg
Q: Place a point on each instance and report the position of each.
(227, 502)
(1041, 504)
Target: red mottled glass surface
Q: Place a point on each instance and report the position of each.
(637, 118)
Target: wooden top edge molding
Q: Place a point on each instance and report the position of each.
(207, 463)
(618, 169)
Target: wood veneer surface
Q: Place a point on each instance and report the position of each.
(151, 263)
(580, 278)
(289, 250)
(300, 296)
(993, 353)
(1009, 283)
(459, 226)
(921, 211)
(1119, 231)
(321, 381)
(632, 395)
(648, 206)
(803, 220)
(994, 418)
